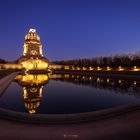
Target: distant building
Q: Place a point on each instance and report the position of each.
(32, 58)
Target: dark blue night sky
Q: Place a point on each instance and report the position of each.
(71, 28)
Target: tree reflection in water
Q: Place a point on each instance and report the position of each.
(117, 85)
(32, 85)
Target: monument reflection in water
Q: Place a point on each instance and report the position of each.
(32, 89)
(112, 92)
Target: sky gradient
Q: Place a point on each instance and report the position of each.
(71, 29)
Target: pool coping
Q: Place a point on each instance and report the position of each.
(6, 81)
(64, 118)
(67, 118)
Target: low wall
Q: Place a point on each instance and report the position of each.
(123, 74)
(11, 66)
(67, 118)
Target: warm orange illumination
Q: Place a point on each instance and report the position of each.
(11, 66)
(66, 67)
(98, 68)
(84, 68)
(35, 79)
(32, 58)
(66, 76)
(35, 64)
(135, 68)
(32, 89)
(32, 79)
(78, 68)
(32, 38)
(32, 103)
(73, 68)
(120, 68)
(108, 68)
(107, 80)
(98, 79)
(90, 68)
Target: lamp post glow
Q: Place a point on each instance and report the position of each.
(120, 68)
(98, 68)
(90, 68)
(108, 68)
(135, 68)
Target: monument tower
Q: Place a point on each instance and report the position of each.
(32, 58)
(32, 44)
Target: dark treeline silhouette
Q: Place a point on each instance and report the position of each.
(125, 60)
(2, 61)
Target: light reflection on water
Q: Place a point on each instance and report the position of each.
(59, 94)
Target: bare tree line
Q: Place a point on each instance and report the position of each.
(126, 60)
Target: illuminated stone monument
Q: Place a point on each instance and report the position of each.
(32, 58)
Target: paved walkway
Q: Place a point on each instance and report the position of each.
(122, 127)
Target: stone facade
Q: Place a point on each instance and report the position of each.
(32, 58)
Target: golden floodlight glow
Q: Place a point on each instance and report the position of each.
(78, 68)
(32, 89)
(73, 68)
(135, 68)
(107, 80)
(32, 39)
(90, 68)
(98, 79)
(34, 79)
(108, 68)
(120, 68)
(35, 64)
(98, 68)
(84, 68)
(32, 58)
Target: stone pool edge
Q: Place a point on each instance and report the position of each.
(67, 118)
(6, 81)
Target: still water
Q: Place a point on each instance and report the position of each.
(65, 94)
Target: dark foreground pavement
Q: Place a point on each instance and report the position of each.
(121, 127)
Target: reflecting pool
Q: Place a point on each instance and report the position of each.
(65, 94)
